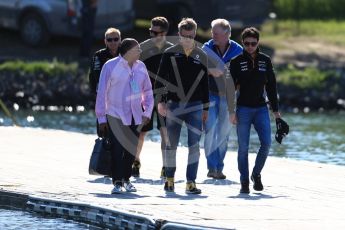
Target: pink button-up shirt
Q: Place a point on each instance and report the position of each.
(124, 92)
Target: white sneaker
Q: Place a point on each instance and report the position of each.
(117, 189)
(129, 187)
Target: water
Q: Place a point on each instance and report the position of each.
(16, 219)
(313, 136)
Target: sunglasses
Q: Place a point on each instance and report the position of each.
(155, 33)
(253, 44)
(191, 37)
(112, 39)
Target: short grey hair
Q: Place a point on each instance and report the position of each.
(223, 23)
(111, 30)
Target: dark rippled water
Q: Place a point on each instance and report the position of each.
(313, 137)
(19, 220)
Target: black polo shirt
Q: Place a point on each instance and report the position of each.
(183, 78)
(151, 56)
(98, 60)
(252, 77)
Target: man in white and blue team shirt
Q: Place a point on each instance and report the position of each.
(220, 50)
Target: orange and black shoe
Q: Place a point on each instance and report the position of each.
(191, 188)
(169, 185)
(136, 168)
(163, 173)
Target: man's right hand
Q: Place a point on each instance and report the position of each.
(162, 109)
(103, 129)
(233, 118)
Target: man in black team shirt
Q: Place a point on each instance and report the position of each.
(112, 40)
(182, 81)
(253, 74)
(152, 53)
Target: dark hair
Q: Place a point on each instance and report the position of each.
(187, 24)
(126, 45)
(162, 22)
(250, 32)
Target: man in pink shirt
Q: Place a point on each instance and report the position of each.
(124, 91)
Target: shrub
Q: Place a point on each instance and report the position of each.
(43, 67)
(308, 78)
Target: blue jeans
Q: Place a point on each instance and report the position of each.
(191, 114)
(259, 117)
(217, 131)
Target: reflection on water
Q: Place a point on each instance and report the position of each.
(313, 136)
(84, 122)
(15, 219)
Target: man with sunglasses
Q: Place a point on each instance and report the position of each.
(153, 49)
(220, 50)
(112, 40)
(254, 78)
(182, 84)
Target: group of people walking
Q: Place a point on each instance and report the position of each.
(207, 87)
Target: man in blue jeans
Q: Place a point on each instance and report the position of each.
(182, 82)
(220, 50)
(254, 78)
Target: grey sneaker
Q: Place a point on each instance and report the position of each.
(129, 187)
(219, 175)
(117, 189)
(212, 173)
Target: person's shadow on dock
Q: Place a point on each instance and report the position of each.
(174, 195)
(140, 180)
(218, 182)
(124, 195)
(103, 180)
(255, 196)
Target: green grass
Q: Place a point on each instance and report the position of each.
(48, 67)
(308, 78)
(330, 31)
(309, 9)
(142, 23)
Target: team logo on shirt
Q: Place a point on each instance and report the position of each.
(196, 60)
(244, 66)
(97, 63)
(262, 66)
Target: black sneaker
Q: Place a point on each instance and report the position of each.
(257, 182)
(136, 169)
(245, 187)
(169, 185)
(192, 189)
